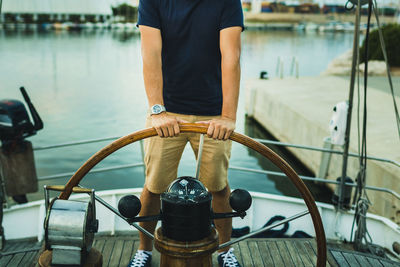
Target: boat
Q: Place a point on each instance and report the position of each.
(336, 225)
(116, 237)
(311, 27)
(328, 27)
(348, 27)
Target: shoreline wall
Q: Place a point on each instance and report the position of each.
(314, 18)
(299, 110)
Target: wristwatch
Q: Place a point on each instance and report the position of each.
(157, 109)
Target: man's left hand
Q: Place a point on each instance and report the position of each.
(220, 128)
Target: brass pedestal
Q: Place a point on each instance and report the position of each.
(185, 254)
(94, 259)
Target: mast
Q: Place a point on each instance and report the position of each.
(350, 103)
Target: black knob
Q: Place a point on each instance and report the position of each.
(129, 206)
(240, 200)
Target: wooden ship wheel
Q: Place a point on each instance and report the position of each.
(197, 251)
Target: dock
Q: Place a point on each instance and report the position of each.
(299, 111)
(119, 249)
(295, 18)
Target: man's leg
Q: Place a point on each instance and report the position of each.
(220, 203)
(213, 174)
(150, 206)
(162, 157)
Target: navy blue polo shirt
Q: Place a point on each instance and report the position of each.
(191, 57)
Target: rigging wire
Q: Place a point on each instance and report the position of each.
(357, 32)
(383, 47)
(362, 204)
(362, 237)
(350, 107)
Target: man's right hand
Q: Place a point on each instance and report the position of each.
(166, 125)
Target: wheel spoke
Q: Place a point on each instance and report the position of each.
(111, 208)
(269, 227)
(199, 154)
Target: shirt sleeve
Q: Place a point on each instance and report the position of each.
(232, 14)
(148, 14)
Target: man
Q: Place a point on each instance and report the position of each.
(191, 54)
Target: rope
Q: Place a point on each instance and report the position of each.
(362, 238)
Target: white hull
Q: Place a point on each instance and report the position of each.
(26, 221)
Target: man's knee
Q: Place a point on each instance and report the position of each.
(225, 191)
(148, 195)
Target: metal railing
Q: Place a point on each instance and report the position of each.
(294, 68)
(314, 148)
(263, 141)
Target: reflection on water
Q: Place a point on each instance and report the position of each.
(89, 85)
(320, 192)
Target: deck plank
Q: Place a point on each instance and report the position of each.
(29, 259)
(236, 251)
(17, 260)
(9, 247)
(374, 262)
(156, 256)
(283, 250)
(116, 253)
(36, 259)
(362, 260)
(329, 257)
(99, 244)
(215, 257)
(340, 258)
(126, 254)
(107, 250)
(350, 259)
(118, 250)
(276, 257)
(238, 254)
(331, 260)
(293, 253)
(246, 256)
(255, 253)
(303, 253)
(310, 251)
(265, 253)
(5, 260)
(387, 264)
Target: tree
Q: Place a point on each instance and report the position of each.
(391, 36)
(127, 11)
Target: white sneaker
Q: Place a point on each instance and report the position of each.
(141, 259)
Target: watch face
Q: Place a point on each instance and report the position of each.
(156, 109)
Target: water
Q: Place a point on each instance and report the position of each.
(89, 85)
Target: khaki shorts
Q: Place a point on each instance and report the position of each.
(162, 157)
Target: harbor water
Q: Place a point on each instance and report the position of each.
(89, 85)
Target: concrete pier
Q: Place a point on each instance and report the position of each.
(315, 18)
(299, 110)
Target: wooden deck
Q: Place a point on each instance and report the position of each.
(118, 250)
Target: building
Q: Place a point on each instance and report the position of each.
(61, 9)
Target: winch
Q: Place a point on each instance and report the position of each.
(70, 226)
